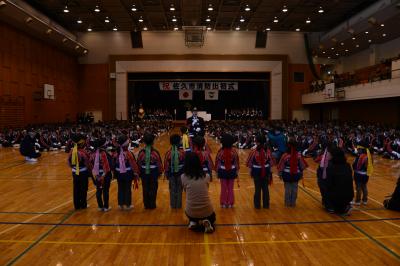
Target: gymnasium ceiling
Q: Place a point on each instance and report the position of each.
(226, 14)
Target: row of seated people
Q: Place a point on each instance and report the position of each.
(364, 75)
(244, 114)
(153, 115)
(313, 137)
(58, 137)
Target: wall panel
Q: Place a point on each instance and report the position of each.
(26, 64)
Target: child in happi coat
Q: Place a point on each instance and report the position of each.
(290, 168)
(260, 162)
(227, 168)
(204, 155)
(126, 171)
(363, 169)
(78, 160)
(150, 164)
(102, 172)
(173, 169)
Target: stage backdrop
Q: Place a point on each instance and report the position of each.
(252, 92)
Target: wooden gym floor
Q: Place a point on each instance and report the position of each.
(39, 227)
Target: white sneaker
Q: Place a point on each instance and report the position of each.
(107, 209)
(32, 160)
(365, 202)
(192, 225)
(357, 203)
(207, 226)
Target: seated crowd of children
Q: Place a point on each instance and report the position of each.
(105, 151)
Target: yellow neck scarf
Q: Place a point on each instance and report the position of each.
(370, 166)
(185, 141)
(75, 158)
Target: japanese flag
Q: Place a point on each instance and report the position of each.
(211, 95)
(185, 94)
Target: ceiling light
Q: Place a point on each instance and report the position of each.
(208, 19)
(337, 54)
(268, 29)
(241, 19)
(276, 20)
(85, 51)
(210, 8)
(384, 35)
(145, 28)
(354, 38)
(209, 28)
(64, 40)
(247, 8)
(77, 47)
(97, 9)
(89, 29)
(341, 43)
(382, 25)
(107, 20)
(320, 10)
(66, 10)
(333, 48)
(346, 50)
(357, 45)
(297, 29)
(2, 4)
(172, 8)
(308, 21)
(237, 28)
(28, 20)
(134, 8)
(369, 41)
(284, 9)
(323, 52)
(140, 19)
(115, 28)
(176, 28)
(174, 19)
(366, 32)
(49, 31)
(79, 21)
(329, 57)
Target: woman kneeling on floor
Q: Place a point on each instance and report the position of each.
(198, 209)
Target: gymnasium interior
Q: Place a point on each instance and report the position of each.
(97, 94)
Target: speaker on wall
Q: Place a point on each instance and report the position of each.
(136, 39)
(261, 39)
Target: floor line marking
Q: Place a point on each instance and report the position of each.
(37, 241)
(271, 223)
(360, 230)
(28, 213)
(207, 250)
(40, 215)
(204, 243)
(44, 235)
(364, 211)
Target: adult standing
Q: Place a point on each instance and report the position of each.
(195, 124)
(339, 182)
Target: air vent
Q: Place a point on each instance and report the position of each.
(194, 35)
